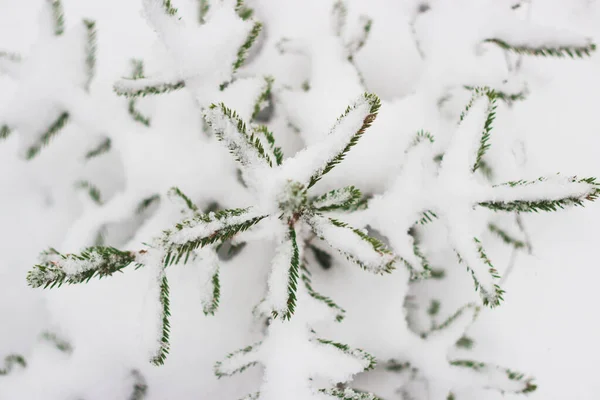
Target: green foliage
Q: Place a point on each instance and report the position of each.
(176, 192)
(264, 97)
(374, 105)
(306, 278)
(489, 299)
(337, 199)
(103, 147)
(349, 394)
(44, 139)
(243, 142)
(527, 383)
(58, 17)
(451, 319)
(168, 7)
(149, 88)
(490, 116)
(292, 275)
(243, 11)
(422, 136)
(58, 342)
(245, 47)
(359, 354)
(92, 190)
(137, 73)
(10, 361)
(226, 230)
(211, 306)
(560, 51)
(56, 269)
(219, 369)
(377, 246)
(163, 349)
(543, 204)
(146, 203)
(506, 237)
(90, 52)
(4, 131)
(203, 7)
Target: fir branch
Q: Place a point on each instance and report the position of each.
(526, 385)
(355, 46)
(90, 52)
(203, 229)
(373, 103)
(366, 359)
(348, 394)
(264, 97)
(10, 361)
(427, 216)
(163, 348)
(237, 362)
(489, 299)
(203, 7)
(451, 319)
(146, 203)
(243, 11)
(505, 236)
(229, 127)
(58, 16)
(45, 138)
(338, 199)
(262, 133)
(544, 51)
(145, 86)
(175, 192)
(102, 148)
(385, 260)
(56, 269)
(545, 204)
(210, 307)
(58, 342)
(465, 342)
(168, 8)
(5, 131)
(490, 116)
(306, 278)
(137, 73)
(242, 53)
(92, 190)
(339, 14)
(289, 245)
(140, 387)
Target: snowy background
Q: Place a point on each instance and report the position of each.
(548, 325)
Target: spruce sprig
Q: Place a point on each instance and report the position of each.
(45, 138)
(544, 51)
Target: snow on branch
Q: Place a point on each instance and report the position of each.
(164, 325)
(543, 194)
(93, 262)
(283, 280)
(146, 86)
(365, 251)
(204, 229)
(247, 147)
(498, 378)
(338, 199)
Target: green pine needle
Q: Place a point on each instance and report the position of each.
(211, 306)
(243, 11)
(92, 262)
(10, 361)
(242, 53)
(506, 237)
(163, 349)
(45, 138)
(544, 205)
(90, 53)
(58, 342)
(358, 354)
(264, 97)
(306, 278)
(338, 199)
(527, 383)
(4, 131)
(122, 88)
(92, 190)
(292, 276)
(561, 51)
(58, 16)
(219, 369)
(102, 148)
(374, 104)
(176, 192)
